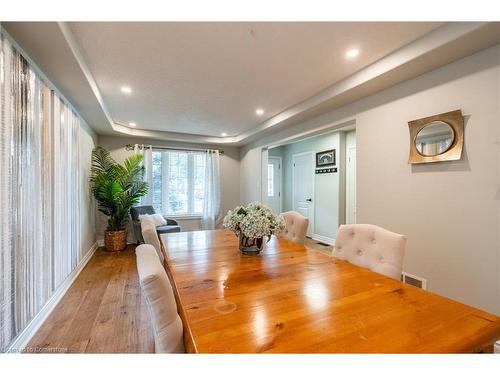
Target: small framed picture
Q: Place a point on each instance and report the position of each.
(325, 158)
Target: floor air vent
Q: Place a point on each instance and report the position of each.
(414, 280)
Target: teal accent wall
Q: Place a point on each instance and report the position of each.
(328, 188)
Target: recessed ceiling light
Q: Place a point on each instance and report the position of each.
(259, 111)
(352, 53)
(133, 124)
(223, 134)
(126, 90)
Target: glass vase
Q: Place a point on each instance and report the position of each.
(250, 246)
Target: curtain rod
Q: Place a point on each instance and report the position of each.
(131, 147)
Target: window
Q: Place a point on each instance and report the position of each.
(270, 180)
(178, 182)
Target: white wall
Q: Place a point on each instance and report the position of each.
(229, 171)
(350, 142)
(450, 211)
(250, 175)
(88, 140)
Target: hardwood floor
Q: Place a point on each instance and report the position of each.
(315, 245)
(102, 312)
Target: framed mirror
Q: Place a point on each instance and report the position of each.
(436, 138)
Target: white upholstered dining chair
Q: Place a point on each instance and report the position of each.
(295, 227)
(157, 290)
(148, 229)
(372, 247)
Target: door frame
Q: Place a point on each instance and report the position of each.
(280, 177)
(348, 197)
(313, 175)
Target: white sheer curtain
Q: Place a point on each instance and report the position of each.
(147, 152)
(211, 198)
(39, 190)
(7, 329)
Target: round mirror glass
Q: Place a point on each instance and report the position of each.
(434, 138)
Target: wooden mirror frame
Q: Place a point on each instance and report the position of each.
(455, 120)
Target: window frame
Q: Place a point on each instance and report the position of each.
(165, 166)
(270, 180)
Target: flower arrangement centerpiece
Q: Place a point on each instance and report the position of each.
(251, 224)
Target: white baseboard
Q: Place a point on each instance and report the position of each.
(324, 239)
(497, 347)
(24, 337)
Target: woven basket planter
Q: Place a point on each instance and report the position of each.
(115, 240)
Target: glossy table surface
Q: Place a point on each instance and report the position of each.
(293, 300)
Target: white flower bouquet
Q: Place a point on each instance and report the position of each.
(254, 221)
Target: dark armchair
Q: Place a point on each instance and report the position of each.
(135, 212)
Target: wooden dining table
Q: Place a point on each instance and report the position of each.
(290, 299)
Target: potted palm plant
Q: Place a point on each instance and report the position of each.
(116, 188)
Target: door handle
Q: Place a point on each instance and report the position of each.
(309, 200)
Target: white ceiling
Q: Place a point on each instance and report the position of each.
(208, 78)
(193, 81)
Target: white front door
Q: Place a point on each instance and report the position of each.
(303, 186)
(350, 199)
(274, 183)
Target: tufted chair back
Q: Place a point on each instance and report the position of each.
(150, 236)
(295, 227)
(372, 247)
(156, 288)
